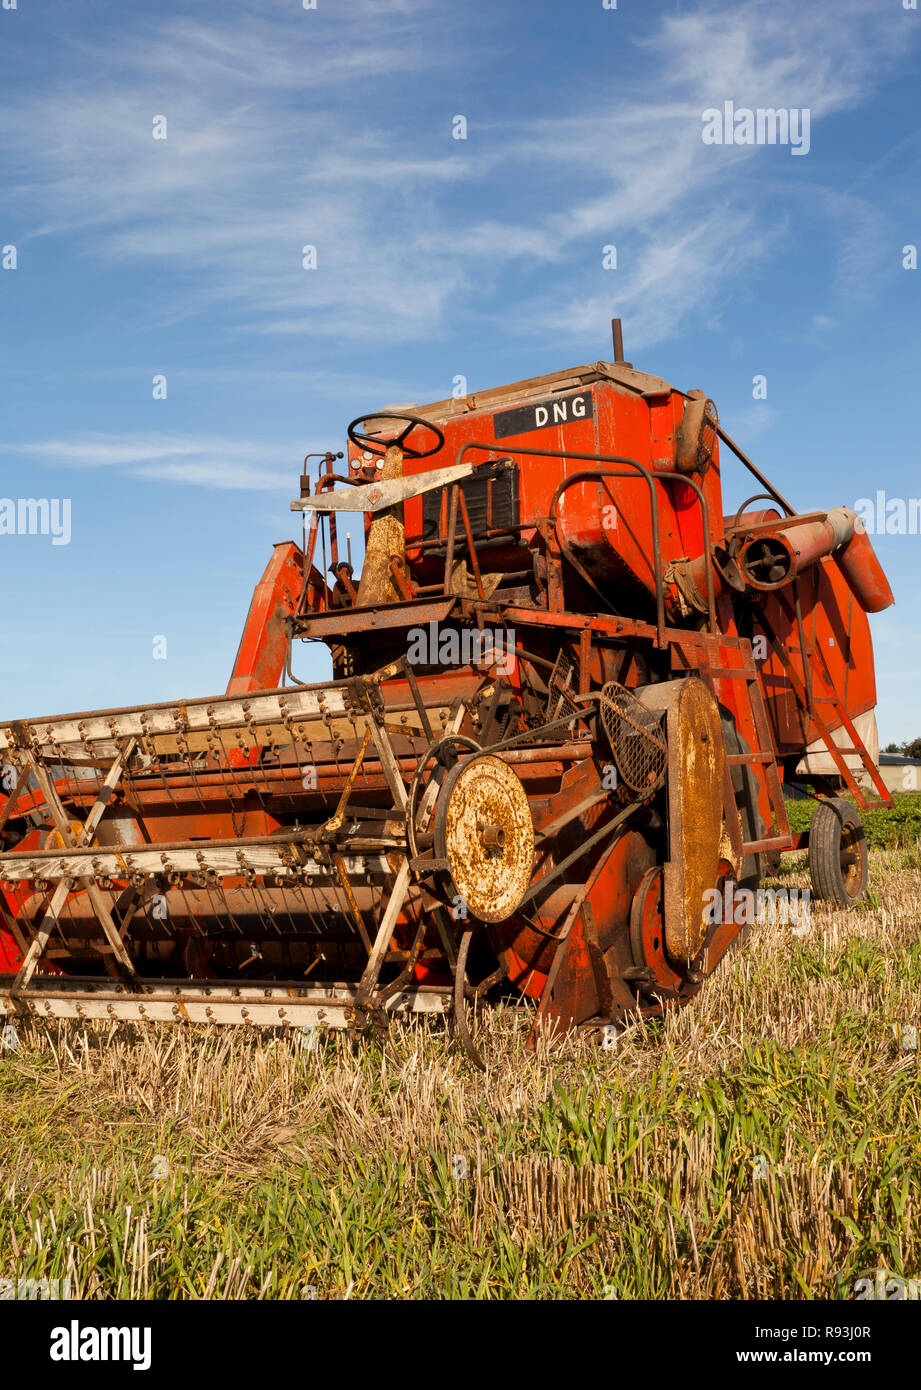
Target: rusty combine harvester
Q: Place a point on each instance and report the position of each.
(567, 691)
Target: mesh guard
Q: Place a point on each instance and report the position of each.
(635, 736)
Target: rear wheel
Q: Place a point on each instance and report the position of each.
(838, 862)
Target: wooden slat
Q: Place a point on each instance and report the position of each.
(173, 736)
(195, 857)
(193, 716)
(165, 1002)
(385, 931)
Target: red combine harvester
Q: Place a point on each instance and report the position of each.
(567, 691)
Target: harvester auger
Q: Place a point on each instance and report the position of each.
(567, 693)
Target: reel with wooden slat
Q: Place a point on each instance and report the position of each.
(118, 868)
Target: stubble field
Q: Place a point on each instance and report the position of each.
(763, 1143)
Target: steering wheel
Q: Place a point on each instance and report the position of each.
(362, 441)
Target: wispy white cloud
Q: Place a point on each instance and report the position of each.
(271, 145)
(748, 424)
(206, 461)
(691, 221)
(275, 141)
(669, 277)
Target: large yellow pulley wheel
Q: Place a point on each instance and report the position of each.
(484, 830)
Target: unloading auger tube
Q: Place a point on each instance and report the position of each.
(569, 687)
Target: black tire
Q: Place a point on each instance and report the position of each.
(838, 860)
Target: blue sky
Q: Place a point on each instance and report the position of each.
(435, 257)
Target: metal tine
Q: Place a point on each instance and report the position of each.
(298, 884)
(323, 914)
(267, 917)
(250, 724)
(306, 759)
(290, 918)
(334, 741)
(159, 767)
(207, 886)
(309, 909)
(190, 911)
(225, 911)
(138, 904)
(270, 918)
(129, 791)
(228, 787)
(293, 740)
(222, 761)
(182, 740)
(193, 916)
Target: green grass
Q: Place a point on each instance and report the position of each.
(764, 1142)
(898, 828)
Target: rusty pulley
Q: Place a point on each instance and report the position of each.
(484, 830)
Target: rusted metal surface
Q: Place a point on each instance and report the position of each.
(652, 970)
(695, 807)
(260, 660)
(376, 497)
(484, 829)
(461, 989)
(689, 454)
(864, 574)
(454, 812)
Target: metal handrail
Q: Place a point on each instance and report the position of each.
(324, 480)
(650, 478)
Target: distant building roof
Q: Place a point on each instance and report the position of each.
(896, 759)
